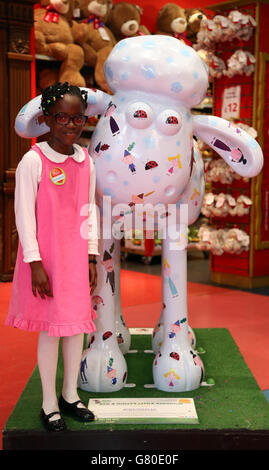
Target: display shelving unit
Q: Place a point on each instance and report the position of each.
(249, 269)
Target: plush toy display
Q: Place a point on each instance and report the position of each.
(194, 17)
(221, 29)
(220, 241)
(124, 21)
(222, 205)
(54, 38)
(94, 36)
(241, 63)
(171, 21)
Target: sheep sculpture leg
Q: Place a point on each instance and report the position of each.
(103, 366)
(176, 366)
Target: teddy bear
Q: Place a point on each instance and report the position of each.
(208, 203)
(241, 63)
(194, 16)
(54, 38)
(219, 171)
(171, 21)
(241, 207)
(221, 207)
(204, 236)
(204, 38)
(124, 21)
(235, 241)
(91, 32)
(216, 66)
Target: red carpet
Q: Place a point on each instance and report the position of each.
(245, 315)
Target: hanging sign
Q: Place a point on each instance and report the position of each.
(231, 103)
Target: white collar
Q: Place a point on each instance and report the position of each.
(78, 155)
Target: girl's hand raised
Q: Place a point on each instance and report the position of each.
(40, 280)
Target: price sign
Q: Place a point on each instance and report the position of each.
(231, 103)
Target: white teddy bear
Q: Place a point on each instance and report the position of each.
(221, 29)
(240, 63)
(219, 241)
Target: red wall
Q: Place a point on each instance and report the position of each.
(151, 8)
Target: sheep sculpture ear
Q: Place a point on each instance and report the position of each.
(239, 150)
(29, 122)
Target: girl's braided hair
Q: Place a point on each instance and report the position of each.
(54, 92)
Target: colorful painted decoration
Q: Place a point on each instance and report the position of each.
(107, 335)
(174, 355)
(155, 81)
(150, 165)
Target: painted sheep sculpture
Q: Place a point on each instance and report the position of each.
(147, 162)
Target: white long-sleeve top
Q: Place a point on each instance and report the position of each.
(28, 176)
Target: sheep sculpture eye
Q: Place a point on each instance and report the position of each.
(139, 115)
(169, 122)
(172, 120)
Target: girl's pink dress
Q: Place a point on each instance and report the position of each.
(62, 192)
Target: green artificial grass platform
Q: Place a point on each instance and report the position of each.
(234, 403)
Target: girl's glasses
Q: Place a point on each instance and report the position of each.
(63, 119)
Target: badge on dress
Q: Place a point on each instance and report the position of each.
(57, 176)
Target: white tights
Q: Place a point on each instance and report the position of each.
(47, 359)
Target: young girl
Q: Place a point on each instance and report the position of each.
(55, 267)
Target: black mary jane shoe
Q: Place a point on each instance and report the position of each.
(81, 414)
(56, 425)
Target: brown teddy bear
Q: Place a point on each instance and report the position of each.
(171, 21)
(94, 36)
(54, 38)
(194, 16)
(124, 21)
